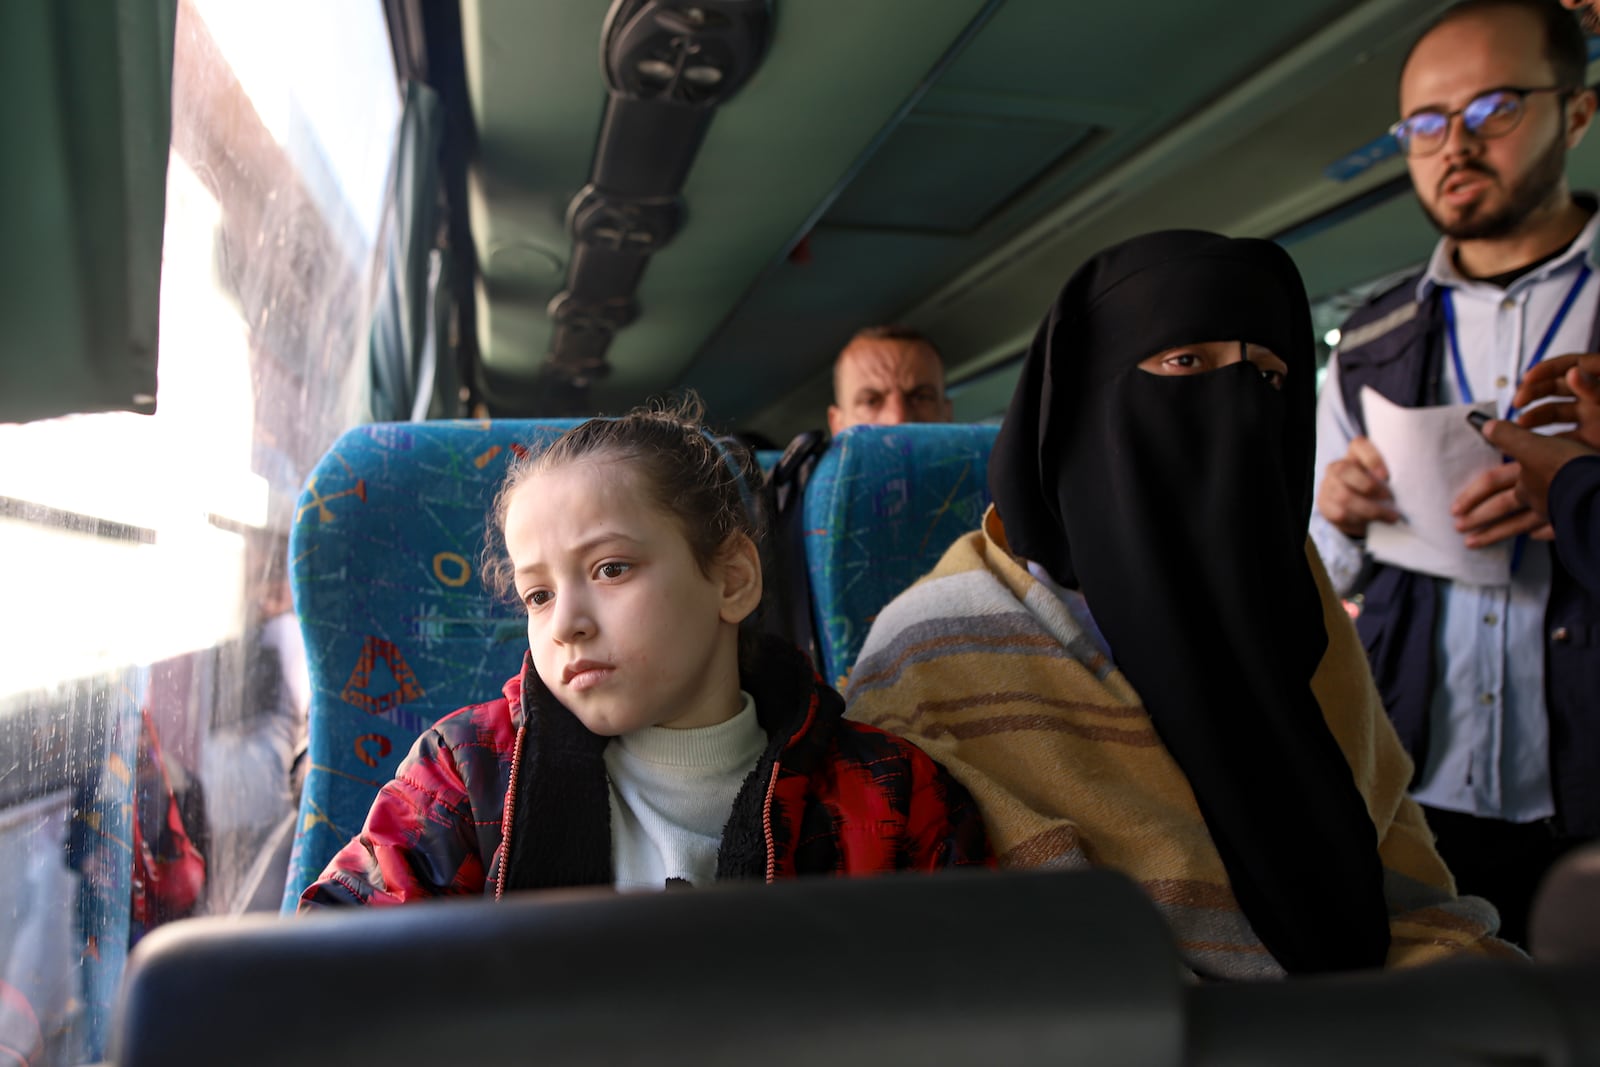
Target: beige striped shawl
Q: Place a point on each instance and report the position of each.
(984, 667)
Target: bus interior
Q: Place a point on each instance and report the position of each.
(244, 231)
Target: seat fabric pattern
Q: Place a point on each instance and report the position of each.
(399, 627)
(882, 506)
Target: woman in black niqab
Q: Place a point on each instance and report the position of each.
(1178, 506)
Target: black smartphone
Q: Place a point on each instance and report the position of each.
(1478, 418)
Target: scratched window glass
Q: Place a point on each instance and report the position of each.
(152, 686)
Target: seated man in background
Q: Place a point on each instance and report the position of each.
(885, 376)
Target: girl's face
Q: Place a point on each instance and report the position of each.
(626, 629)
(1214, 355)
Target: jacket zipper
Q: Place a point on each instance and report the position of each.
(766, 826)
(506, 813)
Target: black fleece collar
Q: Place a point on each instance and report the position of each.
(561, 822)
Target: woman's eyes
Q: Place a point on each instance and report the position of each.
(613, 570)
(1192, 363)
(1184, 361)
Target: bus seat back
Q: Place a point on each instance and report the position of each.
(400, 629)
(882, 505)
(965, 967)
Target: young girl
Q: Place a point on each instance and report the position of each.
(644, 744)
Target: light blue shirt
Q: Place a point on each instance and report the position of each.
(1489, 733)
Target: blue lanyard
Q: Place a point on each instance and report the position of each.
(1538, 353)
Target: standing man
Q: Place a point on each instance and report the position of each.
(887, 375)
(1492, 688)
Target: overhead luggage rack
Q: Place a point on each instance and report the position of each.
(668, 66)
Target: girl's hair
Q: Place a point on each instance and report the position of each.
(708, 485)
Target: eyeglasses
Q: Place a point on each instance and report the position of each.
(1490, 114)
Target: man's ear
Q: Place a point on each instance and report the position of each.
(835, 419)
(1580, 113)
(739, 571)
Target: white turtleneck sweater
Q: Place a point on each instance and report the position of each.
(671, 794)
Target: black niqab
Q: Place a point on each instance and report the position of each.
(1179, 506)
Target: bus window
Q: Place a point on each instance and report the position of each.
(152, 689)
(602, 202)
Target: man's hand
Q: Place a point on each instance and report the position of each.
(1355, 490)
(1575, 379)
(1487, 511)
(1538, 458)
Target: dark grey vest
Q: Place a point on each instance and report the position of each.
(1396, 346)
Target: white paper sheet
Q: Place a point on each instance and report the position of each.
(1431, 453)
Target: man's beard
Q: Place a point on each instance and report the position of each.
(1590, 20)
(1523, 199)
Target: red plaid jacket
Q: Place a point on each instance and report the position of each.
(521, 777)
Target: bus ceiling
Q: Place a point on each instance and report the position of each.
(637, 180)
(602, 204)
